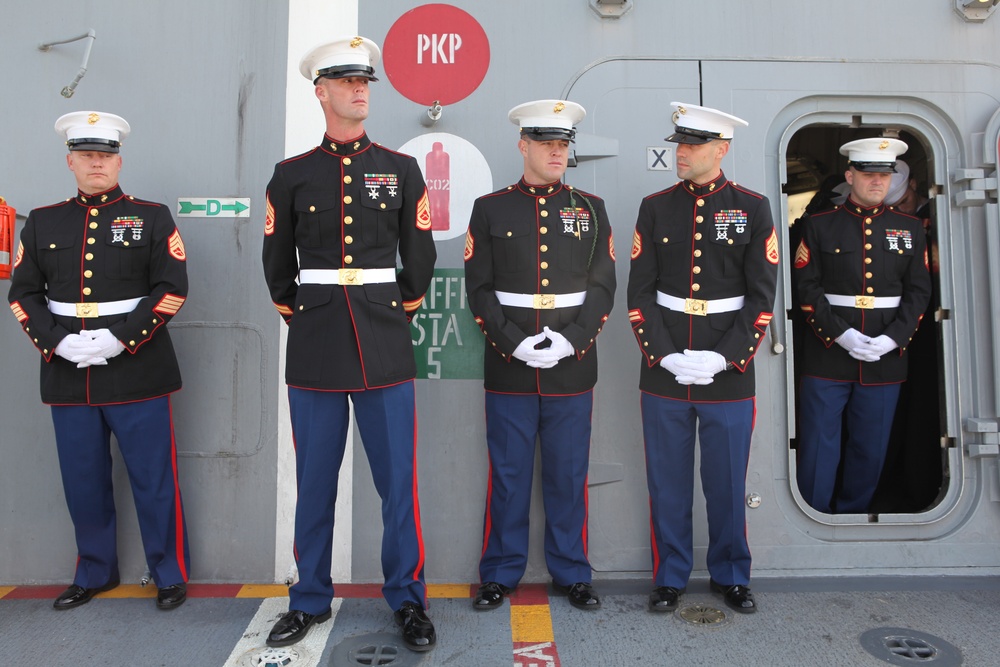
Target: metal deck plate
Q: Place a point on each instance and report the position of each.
(909, 648)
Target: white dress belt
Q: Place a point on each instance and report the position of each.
(541, 301)
(699, 306)
(346, 276)
(861, 301)
(94, 308)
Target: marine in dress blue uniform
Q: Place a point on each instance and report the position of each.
(96, 279)
(336, 218)
(540, 276)
(863, 284)
(700, 296)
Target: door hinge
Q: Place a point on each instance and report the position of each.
(977, 188)
(986, 441)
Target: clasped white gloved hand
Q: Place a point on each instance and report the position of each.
(547, 357)
(108, 344)
(713, 362)
(561, 347)
(76, 348)
(856, 344)
(526, 349)
(880, 345)
(686, 369)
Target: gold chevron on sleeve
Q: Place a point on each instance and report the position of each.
(18, 312)
(169, 304)
(269, 218)
(177, 246)
(424, 213)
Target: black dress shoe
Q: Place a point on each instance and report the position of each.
(738, 597)
(74, 596)
(581, 595)
(664, 598)
(293, 626)
(171, 597)
(418, 631)
(490, 596)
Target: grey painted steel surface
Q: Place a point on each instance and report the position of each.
(202, 85)
(800, 624)
(851, 66)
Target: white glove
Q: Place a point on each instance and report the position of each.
(712, 362)
(93, 361)
(526, 351)
(856, 344)
(685, 369)
(561, 347)
(77, 348)
(881, 345)
(110, 346)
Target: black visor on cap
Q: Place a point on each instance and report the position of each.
(876, 167)
(548, 133)
(687, 135)
(100, 145)
(346, 71)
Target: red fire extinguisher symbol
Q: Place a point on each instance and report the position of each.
(438, 174)
(7, 218)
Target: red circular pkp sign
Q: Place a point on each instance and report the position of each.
(436, 53)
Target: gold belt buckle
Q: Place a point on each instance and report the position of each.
(544, 301)
(867, 302)
(87, 309)
(696, 307)
(352, 277)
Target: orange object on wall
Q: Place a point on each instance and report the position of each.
(7, 217)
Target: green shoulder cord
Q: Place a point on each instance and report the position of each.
(593, 216)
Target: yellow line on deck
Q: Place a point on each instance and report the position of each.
(531, 623)
(263, 591)
(448, 590)
(130, 591)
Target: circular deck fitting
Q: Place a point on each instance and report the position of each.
(285, 656)
(909, 648)
(375, 650)
(702, 614)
